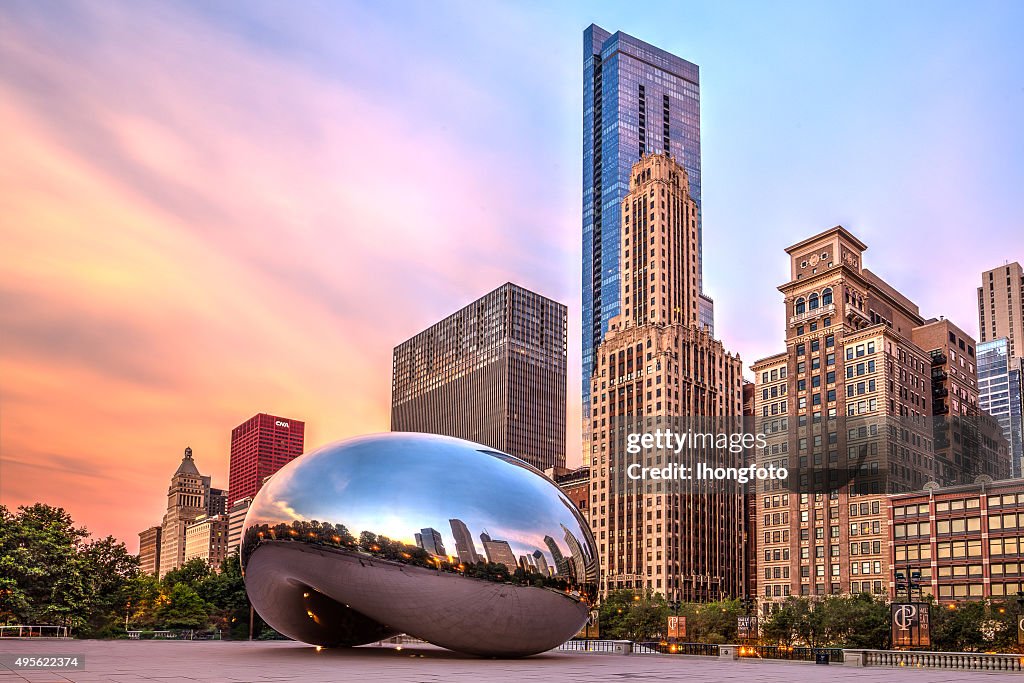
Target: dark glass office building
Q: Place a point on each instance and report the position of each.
(637, 99)
(493, 373)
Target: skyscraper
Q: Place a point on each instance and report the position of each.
(261, 446)
(1001, 306)
(149, 550)
(541, 563)
(186, 500)
(656, 365)
(561, 562)
(637, 99)
(493, 373)
(966, 439)
(217, 502)
(464, 546)
(1000, 392)
(430, 540)
(499, 552)
(236, 518)
(207, 539)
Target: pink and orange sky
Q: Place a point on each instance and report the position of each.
(209, 212)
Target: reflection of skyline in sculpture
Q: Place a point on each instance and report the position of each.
(584, 566)
(541, 563)
(430, 540)
(561, 564)
(328, 546)
(498, 551)
(464, 547)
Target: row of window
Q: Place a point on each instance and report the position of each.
(776, 374)
(860, 350)
(815, 344)
(813, 301)
(863, 508)
(856, 587)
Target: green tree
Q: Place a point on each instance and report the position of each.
(69, 598)
(855, 621)
(192, 573)
(975, 626)
(833, 621)
(713, 622)
(633, 615)
(224, 592)
(182, 608)
(110, 571)
(40, 572)
(145, 593)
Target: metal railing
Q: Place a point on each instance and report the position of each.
(34, 631)
(800, 654)
(182, 634)
(400, 639)
(666, 648)
(587, 645)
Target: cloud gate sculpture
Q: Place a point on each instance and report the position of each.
(435, 537)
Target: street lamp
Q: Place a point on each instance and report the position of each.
(1020, 617)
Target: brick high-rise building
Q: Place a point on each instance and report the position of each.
(1001, 306)
(149, 550)
(658, 362)
(750, 544)
(493, 373)
(850, 404)
(967, 441)
(186, 500)
(575, 484)
(261, 446)
(207, 539)
(217, 502)
(768, 513)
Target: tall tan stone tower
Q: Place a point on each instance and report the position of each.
(658, 365)
(186, 500)
(1001, 306)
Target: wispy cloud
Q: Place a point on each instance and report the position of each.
(197, 229)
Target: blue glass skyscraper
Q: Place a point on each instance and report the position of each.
(637, 99)
(999, 393)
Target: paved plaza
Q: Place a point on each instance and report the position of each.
(233, 662)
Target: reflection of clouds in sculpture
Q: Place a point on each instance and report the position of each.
(378, 546)
(286, 511)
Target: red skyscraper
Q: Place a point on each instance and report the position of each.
(260, 446)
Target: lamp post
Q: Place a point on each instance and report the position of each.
(1020, 618)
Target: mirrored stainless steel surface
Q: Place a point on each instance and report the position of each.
(439, 538)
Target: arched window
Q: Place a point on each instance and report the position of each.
(812, 301)
(826, 296)
(800, 306)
